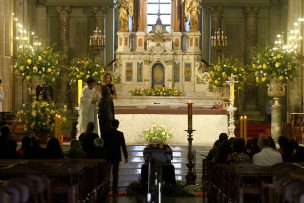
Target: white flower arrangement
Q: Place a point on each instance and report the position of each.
(157, 134)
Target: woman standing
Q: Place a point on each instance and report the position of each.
(106, 110)
(108, 81)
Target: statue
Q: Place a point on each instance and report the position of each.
(192, 10)
(125, 10)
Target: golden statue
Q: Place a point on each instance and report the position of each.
(125, 10)
(192, 10)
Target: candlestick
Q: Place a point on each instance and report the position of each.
(241, 127)
(56, 126)
(189, 115)
(232, 94)
(79, 82)
(59, 129)
(245, 128)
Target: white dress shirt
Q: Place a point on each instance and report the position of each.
(267, 157)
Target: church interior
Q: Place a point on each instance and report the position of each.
(209, 95)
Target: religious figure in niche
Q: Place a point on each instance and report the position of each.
(192, 11)
(125, 10)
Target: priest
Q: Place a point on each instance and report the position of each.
(87, 107)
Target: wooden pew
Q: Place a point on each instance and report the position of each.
(85, 179)
(231, 182)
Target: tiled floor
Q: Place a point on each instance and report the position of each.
(164, 200)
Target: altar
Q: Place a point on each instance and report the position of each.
(207, 123)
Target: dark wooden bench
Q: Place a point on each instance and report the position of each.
(71, 180)
(232, 182)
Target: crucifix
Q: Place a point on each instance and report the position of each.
(231, 109)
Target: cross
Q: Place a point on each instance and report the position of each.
(231, 83)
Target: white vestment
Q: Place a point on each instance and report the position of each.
(87, 110)
(1, 100)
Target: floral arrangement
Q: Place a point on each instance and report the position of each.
(157, 133)
(157, 91)
(39, 116)
(38, 62)
(220, 73)
(273, 62)
(82, 69)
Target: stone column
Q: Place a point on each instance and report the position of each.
(216, 18)
(176, 25)
(141, 13)
(99, 21)
(295, 96)
(63, 15)
(135, 16)
(11, 86)
(216, 23)
(176, 15)
(251, 30)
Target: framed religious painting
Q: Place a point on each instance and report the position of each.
(129, 72)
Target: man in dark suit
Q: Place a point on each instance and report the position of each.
(113, 142)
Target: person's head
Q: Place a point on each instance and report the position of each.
(223, 137)
(75, 145)
(238, 145)
(90, 127)
(98, 142)
(283, 140)
(107, 78)
(90, 82)
(5, 131)
(53, 145)
(115, 123)
(26, 142)
(264, 142)
(105, 91)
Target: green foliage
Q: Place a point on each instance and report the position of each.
(157, 133)
(157, 91)
(220, 73)
(40, 63)
(82, 69)
(273, 62)
(39, 116)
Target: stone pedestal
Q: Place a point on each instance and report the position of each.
(123, 41)
(276, 89)
(140, 41)
(276, 119)
(193, 42)
(176, 39)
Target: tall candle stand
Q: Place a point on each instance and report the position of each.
(190, 177)
(231, 109)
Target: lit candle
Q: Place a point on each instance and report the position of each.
(241, 127)
(59, 129)
(189, 115)
(79, 90)
(232, 93)
(245, 128)
(56, 127)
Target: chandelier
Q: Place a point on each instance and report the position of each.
(218, 39)
(97, 40)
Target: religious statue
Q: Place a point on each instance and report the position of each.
(125, 10)
(192, 11)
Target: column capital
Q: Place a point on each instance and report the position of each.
(251, 11)
(64, 11)
(99, 11)
(217, 11)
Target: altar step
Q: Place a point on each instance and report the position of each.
(253, 114)
(130, 172)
